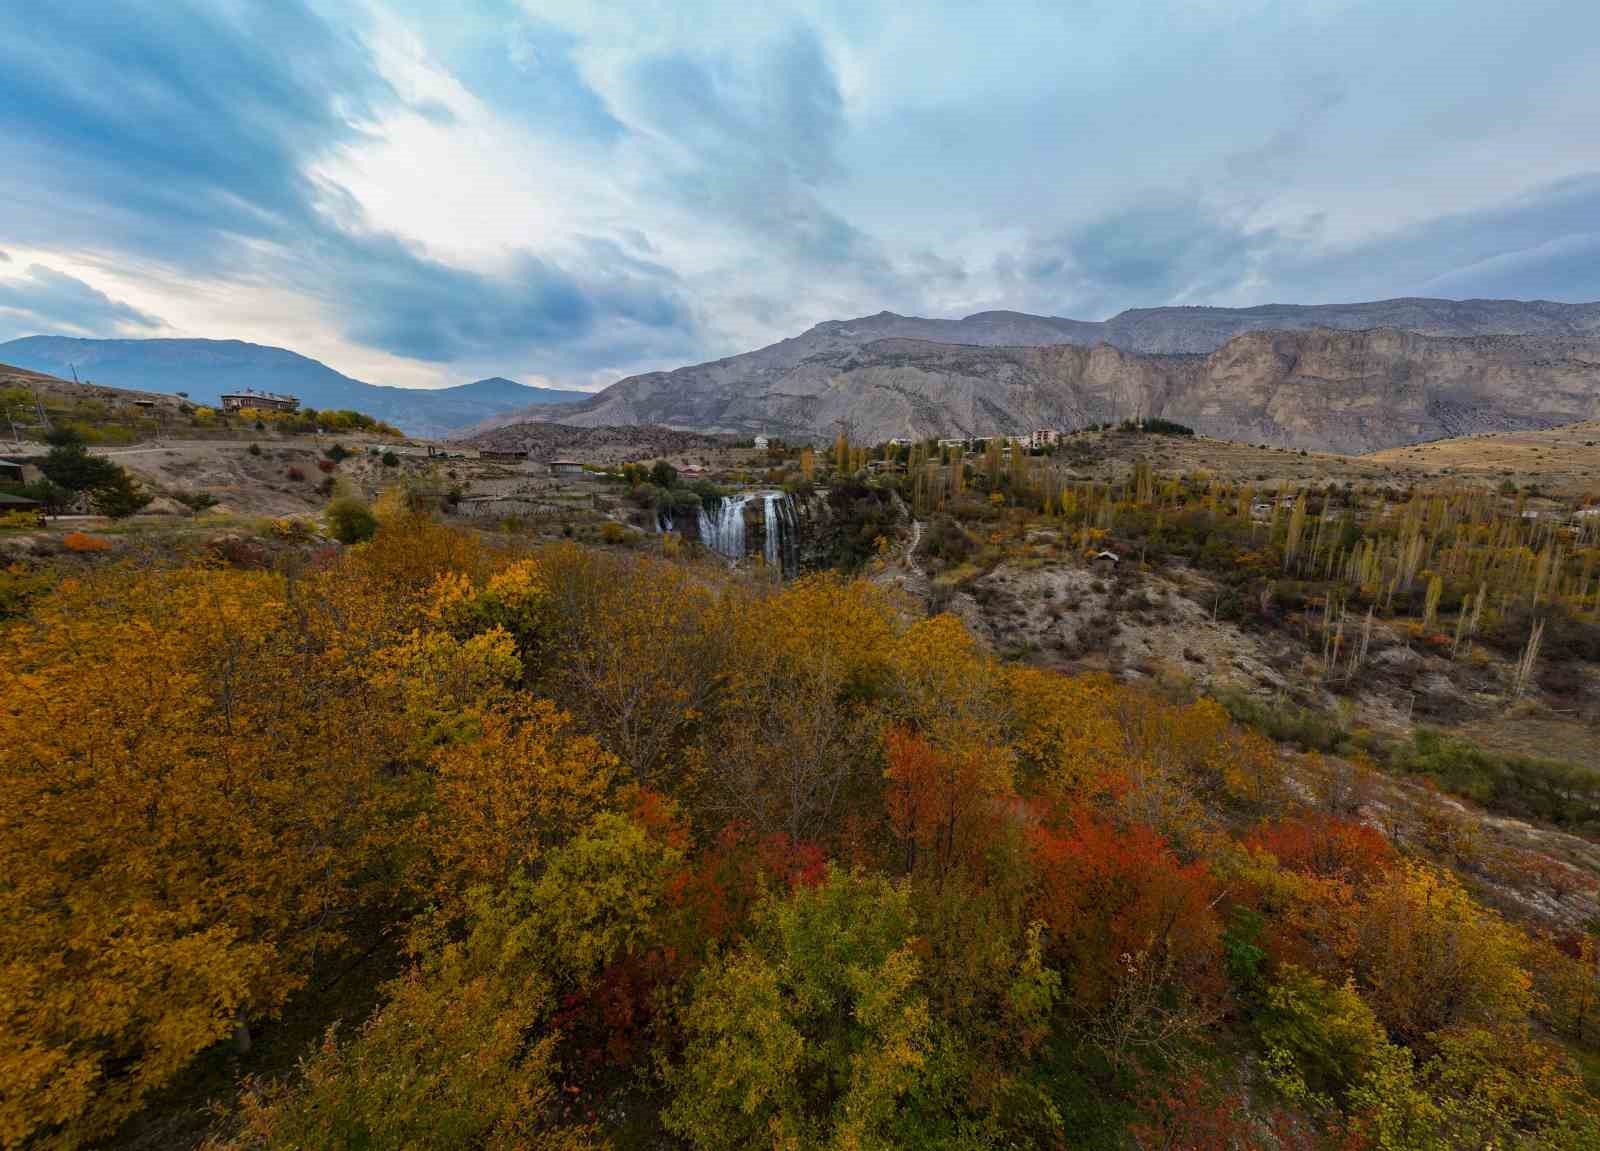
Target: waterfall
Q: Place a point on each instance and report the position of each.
(781, 548)
(722, 528)
(663, 520)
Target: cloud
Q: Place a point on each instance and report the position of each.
(1165, 248)
(754, 140)
(1541, 244)
(574, 190)
(412, 306)
(188, 135)
(45, 300)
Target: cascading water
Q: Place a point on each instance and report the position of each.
(781, 548)
(722, 526)
(663, 520)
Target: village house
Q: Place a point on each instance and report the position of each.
(259, 401)
(566, 467)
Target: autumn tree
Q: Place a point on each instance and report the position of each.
(1132, 929)
(1429, 958)
(198, 768)
(524, 782)
(466, 1050)
(818, 1032)
(637, 648)
(792, 736)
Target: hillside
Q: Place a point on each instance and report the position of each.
(1344, 391)
(206, 368)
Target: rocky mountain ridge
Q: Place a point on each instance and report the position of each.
(1345, 391)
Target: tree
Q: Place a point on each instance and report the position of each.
(1430, 958)
(199, 778)
(462, 1054)
(817, 1031)
(664, 475)
(119, 497)
(639, 644)
(1132, 930)
(944, 806)
(1321, 1038)
(524, 782)
(70, 466)
(350, 521)
(794, 733)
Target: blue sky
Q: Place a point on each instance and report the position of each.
(564, 193)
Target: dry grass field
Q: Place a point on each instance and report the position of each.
(1564, 459)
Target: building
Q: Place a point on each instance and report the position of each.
(566, 468)
(11, 472)
(502, 456)
(262, 401)
(1038, 440)
(762, 442)
(10, 503)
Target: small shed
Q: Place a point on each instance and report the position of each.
(1106, 559)
(11, 472)
(566, 467)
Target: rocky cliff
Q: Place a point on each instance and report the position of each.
(1347, 391)
(1346, 377)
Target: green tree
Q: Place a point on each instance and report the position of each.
(664, 475)
(351, 521)
(818, 1032)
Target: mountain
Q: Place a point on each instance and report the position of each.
(1346, 391)
(207, 368)
(1343, 377)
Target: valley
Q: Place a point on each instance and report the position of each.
(1251, 654)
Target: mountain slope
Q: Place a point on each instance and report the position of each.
(207, 368)
(756, 390)
(1346, 391)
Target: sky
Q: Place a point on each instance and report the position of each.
(566, 193)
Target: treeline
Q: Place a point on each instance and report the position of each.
(707, 864)
(302, 421)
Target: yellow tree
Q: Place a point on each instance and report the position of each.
(198, 776)
(1430, 958)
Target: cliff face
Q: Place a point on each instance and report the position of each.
(1347, 391)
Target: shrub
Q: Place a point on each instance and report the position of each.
(196, 501)
(295, 474)
(390, 460)
(327, 466)
(613, 532)
(80, 542)
(337, 452)
(1320, 1037)
(351, 521)
(254, 449)
(14, 520)
(1565, 794)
